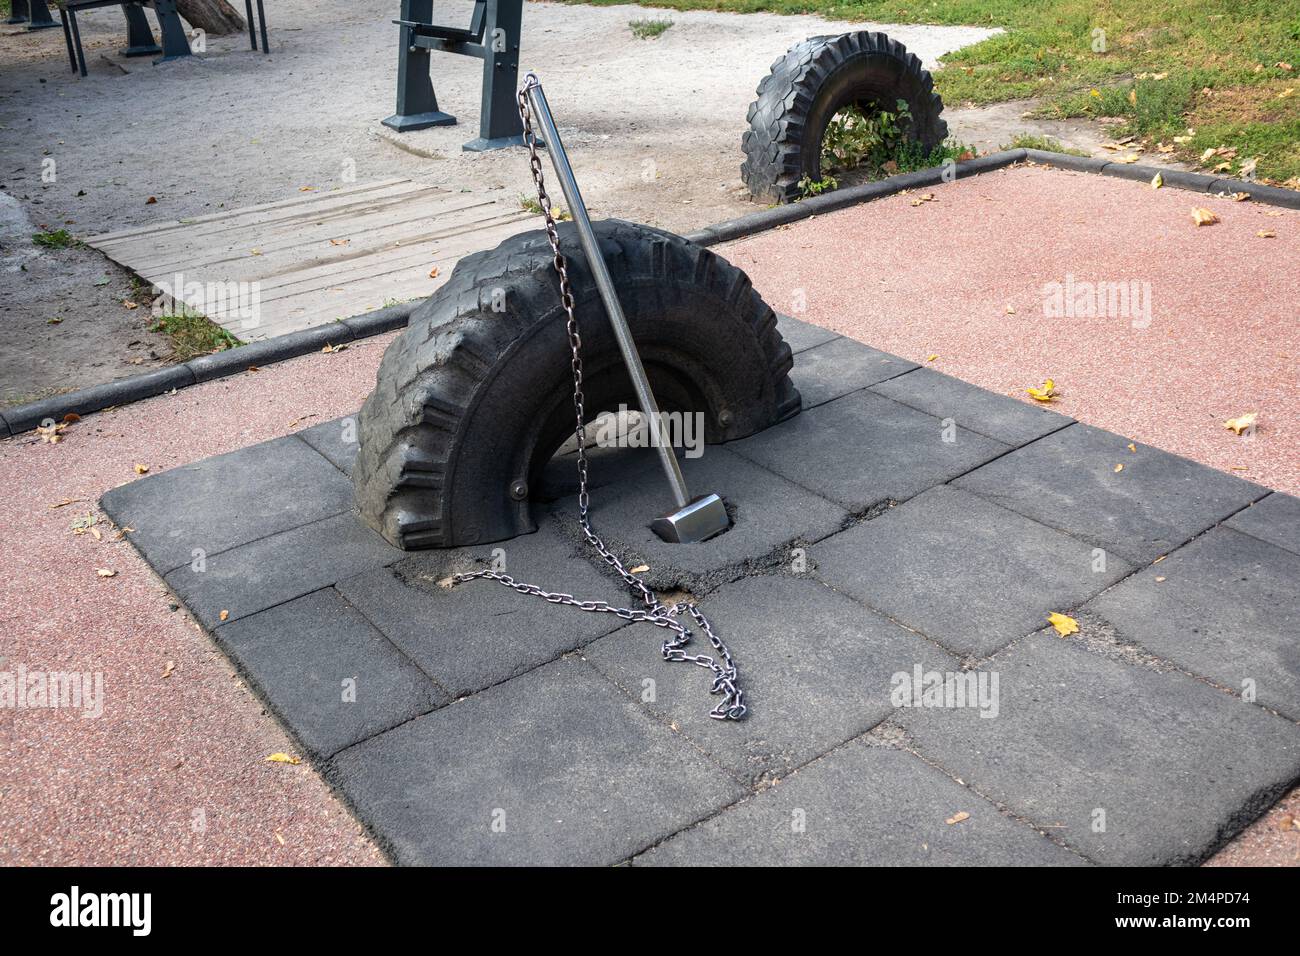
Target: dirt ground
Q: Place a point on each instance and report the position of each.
(653, 126)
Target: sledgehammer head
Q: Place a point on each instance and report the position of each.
(700, 520)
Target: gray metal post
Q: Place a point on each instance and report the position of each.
(139, 37)
(499, 123)
(417, 107)
(41, 19)
(694, 519)
(175, 43)
(18, 12)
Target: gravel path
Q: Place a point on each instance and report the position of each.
(653, 127)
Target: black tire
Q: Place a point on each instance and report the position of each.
(469, 400)
(813, 82)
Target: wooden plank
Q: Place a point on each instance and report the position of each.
(397, 275)
(197, 235)
(396, 232)
(347, 193)
(282, 249)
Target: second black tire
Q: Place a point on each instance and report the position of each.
(809, 85)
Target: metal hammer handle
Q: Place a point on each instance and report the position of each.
(569, 186)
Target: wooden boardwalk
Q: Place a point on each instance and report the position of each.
(317, 257)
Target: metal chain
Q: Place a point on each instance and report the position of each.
(732, 706)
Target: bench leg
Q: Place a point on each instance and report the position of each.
(248, 15)
(261, 19)
(18, 12)
(76, 39)
(139, 37)
(174, 42)
(417, 106)
(499, 124)
(41, 18)
(67, 38)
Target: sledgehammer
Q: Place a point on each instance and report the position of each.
(694, 519)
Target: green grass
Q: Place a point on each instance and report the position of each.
(1218, 59)
(531, 204)
(648, 29)
(192, 335)
(875, 144)
(1045, 143)
(55, 239)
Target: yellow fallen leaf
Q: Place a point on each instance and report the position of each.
(1284, 66)
(224, 614)
(167, 671)
(931, 358)
(923, 198)
(1241, 423)
(1160, 579)
(142, 469)
(283, 758)
(106, 572)
(1157, 181)
(1240, 197)
(1286, 93)
(1133, 96)
(305, 189)
(1011, 310)
(1119, 468)
(332, 349)
(130, 305)
(957, 817)
(639, 569)
(279, 839)
(433, 273)
(95, 533)
(1207, 154)
(255, 252)
(1132, 447)
(1266, 234)
(1129, 158)
(1203, 217)
(1044, 394)
(339, 242)
(1064, 624)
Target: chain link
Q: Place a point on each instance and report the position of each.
(723, 668)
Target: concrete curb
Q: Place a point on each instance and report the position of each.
(205, 368)
(842, 198)
(1177, 178)
(21, 418)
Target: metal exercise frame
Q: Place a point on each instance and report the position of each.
(493, 36)
(139, 38)
(35, 13)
